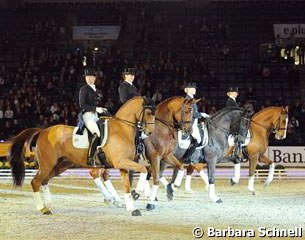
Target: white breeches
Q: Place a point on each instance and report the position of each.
(196, 133)
(90, 120)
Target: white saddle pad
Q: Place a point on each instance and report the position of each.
(231, 140)
(205, 137)
(82, 141)
(183, 143)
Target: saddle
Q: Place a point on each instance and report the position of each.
(81, 137)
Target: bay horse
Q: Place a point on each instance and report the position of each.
(172, 114)
(264, 123)
(219, 127)
(55, 152)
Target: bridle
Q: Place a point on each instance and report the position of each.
(227, 132)
(274, 128)
(140, 124)
(179, 125)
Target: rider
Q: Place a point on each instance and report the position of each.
(190, 90)
(232, 93)
(89, 102)
(126, 89)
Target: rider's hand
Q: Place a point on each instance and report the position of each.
(101, 109)
(205, 115)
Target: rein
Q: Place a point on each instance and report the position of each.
(270, 128)
(213, 123)
(138, 124)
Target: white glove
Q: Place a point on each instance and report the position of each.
(205, 115)
(101, 109)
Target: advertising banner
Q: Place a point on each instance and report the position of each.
(285, 30)
(96, 32)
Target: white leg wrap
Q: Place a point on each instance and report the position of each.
(47, 195)
(129, 202)
(270, 174)
(164, 181)
(146, 188)
(204, 177)
(38, 201)
(188, 183)
(153, 194)
(251, 184)
(102, 188)
(236, 173)
(179, 177)
(141, 183)
(213, 197)
(112, 191)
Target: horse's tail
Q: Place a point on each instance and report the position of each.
(16, 154)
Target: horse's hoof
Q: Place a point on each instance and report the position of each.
(189, 191)
(46, 211)
(150, 207)
(136, 212)
(266, 184)
(135, 195)
(108, 201)
(117, 203)
(156, 199)
(169, 192)
(219, 201)
(232, 182)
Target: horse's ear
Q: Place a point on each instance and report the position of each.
(197, 100)
(286, 109)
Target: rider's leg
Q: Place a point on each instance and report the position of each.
(90, 120)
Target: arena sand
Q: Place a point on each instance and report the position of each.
(80, 213)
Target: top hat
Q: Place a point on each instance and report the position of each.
(89, 71)
(232, 89)
(191, 85)
(129, 71)
(87, 68)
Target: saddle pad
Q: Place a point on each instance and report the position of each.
(204, 136)
(80, 141)
(231, 140)
(184, 141)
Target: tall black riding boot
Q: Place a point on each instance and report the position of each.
(189, 152)
(92, 148)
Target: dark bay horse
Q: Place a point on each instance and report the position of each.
(219, 126)
(55, 152)
(264, 123)
(171, 114)
(162, 143)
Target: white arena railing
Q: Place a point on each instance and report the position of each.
(221, 173)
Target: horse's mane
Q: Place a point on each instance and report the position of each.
(166, 101)
(265, 110)
(224, 111)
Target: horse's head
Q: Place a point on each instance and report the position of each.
(146, 118)
(183, 113)
(280, 124)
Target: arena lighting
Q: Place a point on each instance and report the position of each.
(96, 49)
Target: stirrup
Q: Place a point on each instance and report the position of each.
(92, 163)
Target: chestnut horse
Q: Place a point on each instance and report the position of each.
(55, 152)
(267, 121)
(171, 114)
